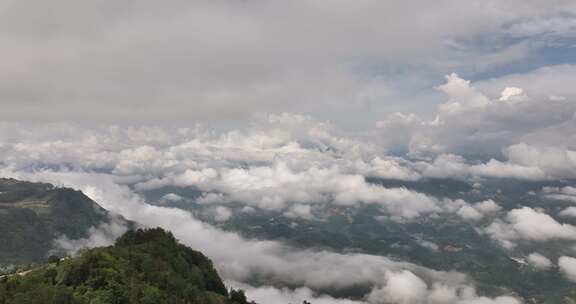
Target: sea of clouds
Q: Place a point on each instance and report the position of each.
(289, 163)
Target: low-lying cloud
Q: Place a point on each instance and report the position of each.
(270, 260)
(531, 225)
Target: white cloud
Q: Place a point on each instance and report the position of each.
(269, 294)
(497, 300)
(512, 93)
(531, 225)
(103, 235)
(554, 161)
(222, 214)
(428, 244)
(478, 210)
(469, 213)
(487, 206)
(406, 288)
(392, 168)
(524, 162)
(300, 211)
(172, 197)
(567, 266)
(153, 151)
(441, 294)
(279, 186)
(461, 96)
(543, 83)
(567, 193)
(474, 124)
(568, 212)
(539, 261)
(402, 287)
(494, 168)
(282, 163)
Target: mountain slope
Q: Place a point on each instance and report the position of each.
(32, 215)
(144, 266)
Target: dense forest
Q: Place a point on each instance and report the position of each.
(144, 266)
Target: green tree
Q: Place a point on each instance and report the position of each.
(238, 296)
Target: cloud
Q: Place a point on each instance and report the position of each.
(388, 168)
(524, 162)
(539, 261)
(478, 210)
(172, 197)
(103, 235)
(474, 124)
(568, 212)
(497, 300)
(300, 211)
(487, 206)
(553, 161)
(428, 244)
(567, 266)
(403, 287)
(531, 225)
(222, 214)
(289, 164)
(469, 213)
(477, 131)
(269, 294)
(268, 260)
(456, 166)
(544, 83)
(406, 288)
(278, 186)
(494, 168)
(566, 193)
(223, 60)
(555, 26)
(285, 163)
(155, 156)
(155, 151)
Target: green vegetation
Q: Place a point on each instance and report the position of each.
(144, 266)
(32, 215)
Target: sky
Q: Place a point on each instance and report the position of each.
(222, 61)
(283, 106)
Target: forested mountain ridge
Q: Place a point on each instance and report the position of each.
(32, 215)
(143, 266)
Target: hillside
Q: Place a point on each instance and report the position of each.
(144, 266)
(32, 215)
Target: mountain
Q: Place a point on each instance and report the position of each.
(32, 215)
(143, 266)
